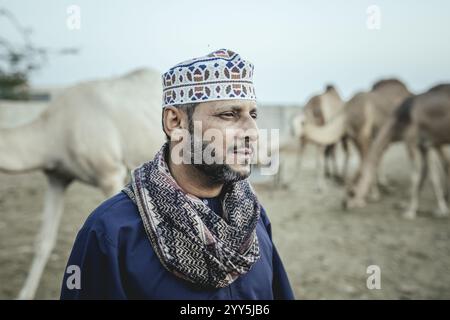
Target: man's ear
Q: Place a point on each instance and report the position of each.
(174, 120)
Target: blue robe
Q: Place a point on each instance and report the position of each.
(116, 261)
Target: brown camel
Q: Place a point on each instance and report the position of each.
(423, 123)
(360, 119)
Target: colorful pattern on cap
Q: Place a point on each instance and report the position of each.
(220, 75)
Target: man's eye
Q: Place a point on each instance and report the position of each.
(228, 114)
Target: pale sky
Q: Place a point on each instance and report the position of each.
(297, 47)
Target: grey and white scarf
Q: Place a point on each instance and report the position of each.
(190, 239)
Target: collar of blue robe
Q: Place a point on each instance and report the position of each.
(190, 239)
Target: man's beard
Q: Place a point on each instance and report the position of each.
(217, 172)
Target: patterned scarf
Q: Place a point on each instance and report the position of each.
(190, 239)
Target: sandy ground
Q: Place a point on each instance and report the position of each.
(325, 250)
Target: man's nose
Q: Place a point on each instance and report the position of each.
(250, 129)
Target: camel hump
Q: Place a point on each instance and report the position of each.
(141, 73)
(443, 87)
(359, 99)
(387, 83)
(138, 71)
(329, 87)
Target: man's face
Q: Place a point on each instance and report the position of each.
(229, 133)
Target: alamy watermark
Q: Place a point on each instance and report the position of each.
(73, 21)
(73, 281)
(373, 21)
(374, 278)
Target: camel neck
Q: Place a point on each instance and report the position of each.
(329, 133)
(23, 148)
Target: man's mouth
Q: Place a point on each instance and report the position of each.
(246, 151)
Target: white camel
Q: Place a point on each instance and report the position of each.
(93, 132)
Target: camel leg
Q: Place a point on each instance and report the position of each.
(300, 152)
(374, 191)
(352, 179)
(46, 239)
(334, 162)
(346, 160)
(326, 160)
(320, 179)
(446, 164)
(277, 178)
(418, 174)
(382, 179)
(358, 171)
(436, 180)
(332, 166)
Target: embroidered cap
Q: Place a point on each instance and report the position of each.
(220, 75)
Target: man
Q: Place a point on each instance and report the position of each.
(189, 225)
